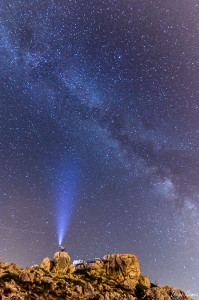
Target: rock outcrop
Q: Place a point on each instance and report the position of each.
(46, 264)
(122, 266)
(61, 262)
(116, 276)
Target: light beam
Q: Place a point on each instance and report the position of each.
(66, 189)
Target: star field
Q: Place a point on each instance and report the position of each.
(99, 133)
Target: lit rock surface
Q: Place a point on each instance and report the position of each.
(46, 264)
(61, 262)
(116, 276)
(123, 267)
(144, 280)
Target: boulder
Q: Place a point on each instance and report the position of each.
(4, 265)
(115, 277)
(128, 284)
(176, 293)
(61, 262)
(46, 264)
(122, 266)
(157, 294)
(88, 289)
(144, 280)
(26, 276)
(13, 268)
(166, 293)
(71, 269)
(96, 268)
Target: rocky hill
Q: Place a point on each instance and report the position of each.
(116, 276)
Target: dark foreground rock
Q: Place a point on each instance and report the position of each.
(116, 276)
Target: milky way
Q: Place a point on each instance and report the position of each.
(108, 89)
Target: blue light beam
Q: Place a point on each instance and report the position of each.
(66, 192)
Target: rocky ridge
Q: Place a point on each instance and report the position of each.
(116, 276)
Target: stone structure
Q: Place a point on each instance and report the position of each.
(46, 264)
(144, 280)
(122, 266)
(115, 277)
(61, 262)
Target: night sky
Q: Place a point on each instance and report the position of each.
(99, 133)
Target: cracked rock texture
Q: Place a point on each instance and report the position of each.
(116, 276)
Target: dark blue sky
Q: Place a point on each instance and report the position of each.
(99, 132)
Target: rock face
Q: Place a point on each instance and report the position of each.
(116, 276)
(61, 262)
(166, 293)
(122, 267)
(46, 264)
(144, 280)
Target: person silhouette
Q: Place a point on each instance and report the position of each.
(62, 248)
